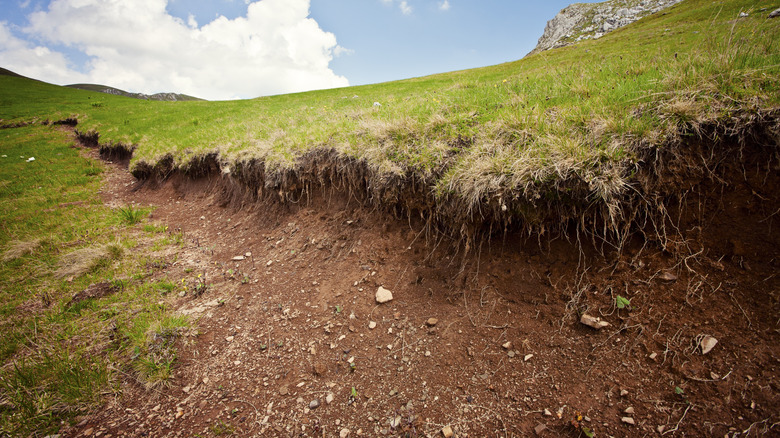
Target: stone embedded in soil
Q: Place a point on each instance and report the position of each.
(628, 420)
(344, 433)
(527, 357)
(329, 398)
(547, 413)
(707, 343)
(667, 276)
(284, 390)
(507, 345)
(629, 410)
(432, 322)
(540, 428)
(447, 432)
(238, 258)
(314, 404)
(593, 322)
(372, 325)
(383, 295)
(623, 393)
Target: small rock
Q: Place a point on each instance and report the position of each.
(187, 389)
(203, 218)
(372, 325)
(628, 420)
(270, 262)
(667, 276)
(707, 343)
(743, 14)
(540, 428)
(248, 254)
(511, 353)
(329, 398)
(284, 390)
(383, 295)
(344, 433)
(775, 13)
(179, 413)
(432, 322)
(527, 357)
(229, 338)
(623, 393)
(660, 429)
(547, 413)
(593, 322)
(629, 410)
(205, 380)
(653, 355)
(238, 258)
(447, 432)
(507, 345)
(314, 404)
(427, 353)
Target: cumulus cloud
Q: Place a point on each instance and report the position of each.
(445, 5)
(405, 8)
(34, 61)
(138, 46)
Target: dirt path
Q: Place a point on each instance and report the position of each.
(291, 341)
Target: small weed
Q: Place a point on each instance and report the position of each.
(622, 302)
(338, 309)
(130, 215)
(154, 228)
(221, 428)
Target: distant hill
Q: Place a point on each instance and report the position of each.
(117, 92)
(6, 72)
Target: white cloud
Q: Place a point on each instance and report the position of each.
(136, 45)
(37, 62)
(405, 8)
(445, 5)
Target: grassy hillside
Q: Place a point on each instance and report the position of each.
(561, 134)
(116, 91)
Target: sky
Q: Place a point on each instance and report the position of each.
(235, 49)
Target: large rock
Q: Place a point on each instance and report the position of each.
(581, 21)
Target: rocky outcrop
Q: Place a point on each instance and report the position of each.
(581, 21)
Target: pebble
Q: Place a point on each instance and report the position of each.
(344, 433)
(238, 258)
(653, 355)
(629, 410)
(270, 262)
(314, 404)
(427, 353)
(432, 322)
(628, 420)
(547, 413)
(507, 345)
(372, 325)
(540, 428)
(593, 322)
(229, 338)
(667, 276)
(284, 390)
(623, 393)
(329, 398)
(383, 295)
(511, 353)
(447, 432)
(660, 428)
(707, 343)
(528, 357)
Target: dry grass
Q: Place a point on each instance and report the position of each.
(19, 248)
(84, 260)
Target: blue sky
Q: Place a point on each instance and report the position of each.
(226, 49)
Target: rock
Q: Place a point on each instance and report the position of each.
(628, 420)
(590, 21)
(372, 325)
(248, 254)
(707, 343)
(229, 338)
(511, 353)
(743, 15)
(344, 433)
(540, 428)
(623, 393)
(629, 410)
(507, 345)
(653, 355)
(667, 276)
(775, 13)
(593, 322)
(314, 404)
(383, 295)
(284, 390)
(270, 262)
(238, 258)
(547, 413)
(527, 357)
(660, 429)
(329, 398)
(447, 432)
(432, 322)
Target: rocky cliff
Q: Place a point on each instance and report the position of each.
(581, 21)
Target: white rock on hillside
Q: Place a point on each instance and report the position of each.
(581, 21)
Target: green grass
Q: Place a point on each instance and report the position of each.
(59, 357)
(512, 135)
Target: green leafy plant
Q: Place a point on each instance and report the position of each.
(130, 215)
(622, 302)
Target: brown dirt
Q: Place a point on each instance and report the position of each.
(279, 329)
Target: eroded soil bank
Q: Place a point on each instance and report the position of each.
(290, 340)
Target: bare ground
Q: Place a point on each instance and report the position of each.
(284, 344)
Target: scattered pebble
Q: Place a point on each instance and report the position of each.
(629, 410)
(238, 258)
(660, 429)
(628, 420)
(547, 413)
(527, 357)
(507, 345)
(653, 355)
(511, 353)
(344, 433)
(623, 393)
(707, 343)
(383, 295)
(284, 390)
(540, 428)
(447, 432)
(593, 322)
(314, 404)
(372, 325)
(432, 322)
(270, 262)
(329, 398)
(667, 276)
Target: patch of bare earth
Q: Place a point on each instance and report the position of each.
(291, 341)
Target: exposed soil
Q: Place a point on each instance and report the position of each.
(284, 334)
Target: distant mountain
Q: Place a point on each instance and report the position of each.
(582, 21)
(173, 97)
